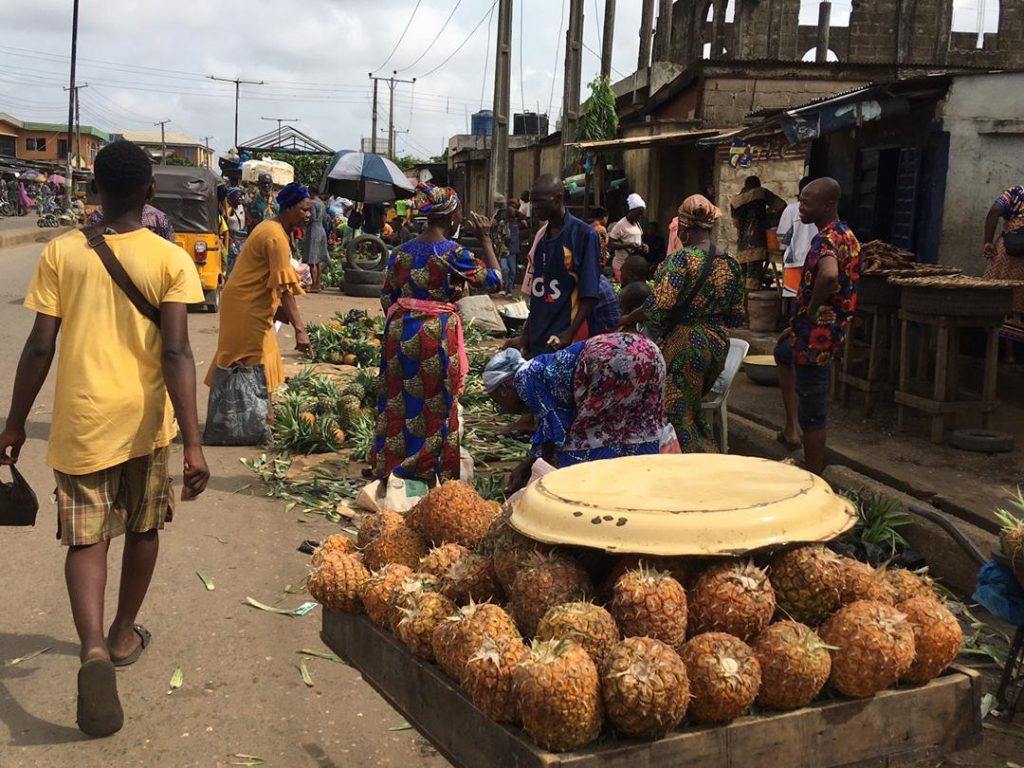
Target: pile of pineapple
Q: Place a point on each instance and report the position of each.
(313, 415)
(560, 643)
(347, 339)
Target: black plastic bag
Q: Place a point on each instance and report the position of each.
(239, 407)
(18, 503)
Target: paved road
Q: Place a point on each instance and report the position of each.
(242, 691)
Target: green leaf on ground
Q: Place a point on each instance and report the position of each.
(249, 760)
(177, 679)
(207, 581)
(28, 656)
(323, 655)
(306, 677)
(301, 610)
(401, 727)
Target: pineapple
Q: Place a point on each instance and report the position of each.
(559, 695)
(437, 560)
(453, 513)
(937, 638)
(379, 589)
(396, 543)
(545, 581)
(471, 577)
(724, 677)
(356, 390)
(808, 583)
(735, 597)
(906, 584)
(488, 677)
(404, 594)
(338, 582)
(585, 623)
(683, 569)
(348, 410)
(645, 686)
(420, 615)
(336, 542)
(874, 647)
(459, 635)
(1011, 537)
(795, 665)
(510, 551)
(648, 603)
(862, 582)
(374, 524)
(495, 531)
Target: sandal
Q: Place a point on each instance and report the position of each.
(780, 438)
(144, 636)
(99, 708)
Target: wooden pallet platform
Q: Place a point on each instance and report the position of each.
(896, 728)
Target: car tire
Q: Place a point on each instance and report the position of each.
(982, 440)
(362, 291)
(213, 300)
(364, 277)
(362, 246)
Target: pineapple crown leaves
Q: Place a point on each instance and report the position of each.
(1008, 519)
(542, 651)
(489, 650)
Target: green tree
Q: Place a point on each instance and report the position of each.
(309, 169)
(599, 120)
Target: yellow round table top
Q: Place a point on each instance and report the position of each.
(759, 360)
(682, 504)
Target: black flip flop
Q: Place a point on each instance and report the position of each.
(144, 636)
(99, 709)
(780, 437)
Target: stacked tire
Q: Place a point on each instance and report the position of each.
(366, 257)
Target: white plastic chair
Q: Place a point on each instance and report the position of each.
(717, 399)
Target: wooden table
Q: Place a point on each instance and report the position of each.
(894, 728)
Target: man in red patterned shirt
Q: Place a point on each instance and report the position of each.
(825, 302)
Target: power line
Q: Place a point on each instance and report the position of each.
(522, 81)
(598, 55)
(487, 58)
(401, 38)
(463, 43)
(436, 38)
(597, 22)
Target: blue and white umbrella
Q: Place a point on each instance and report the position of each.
(366, 178)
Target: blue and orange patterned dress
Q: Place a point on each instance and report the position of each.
(421, 370)
(596, 399)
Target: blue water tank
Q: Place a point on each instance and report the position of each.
(483, 122)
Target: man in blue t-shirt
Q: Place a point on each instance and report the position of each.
(564, 283)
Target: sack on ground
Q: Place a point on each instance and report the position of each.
(239, 407)
(18, 503)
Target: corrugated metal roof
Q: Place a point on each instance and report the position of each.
(63, 128)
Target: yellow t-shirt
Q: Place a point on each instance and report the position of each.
(111, 403)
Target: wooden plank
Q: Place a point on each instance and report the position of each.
(989, 387)
(930, 406)
(939, 717)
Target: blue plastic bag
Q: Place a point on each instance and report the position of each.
(999, 593)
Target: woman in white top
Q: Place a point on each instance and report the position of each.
(626, 236)
(234, 214)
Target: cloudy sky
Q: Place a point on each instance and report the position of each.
(146, 61)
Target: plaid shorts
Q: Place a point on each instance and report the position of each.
(134, 496)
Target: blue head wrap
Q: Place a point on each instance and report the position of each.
(291, 195)
(502, 367)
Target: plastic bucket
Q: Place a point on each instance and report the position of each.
(763, 308)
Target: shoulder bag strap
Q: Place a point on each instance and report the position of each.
(94, 236)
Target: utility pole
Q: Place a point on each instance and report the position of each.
(209, 154)
(163, 142)
(824, 30)
(608, 38)
(373, 131)
(279, 121)
(502, 102)
(78, 123)
(238, 86)
(68, 188)
(646, 32)
(664, 50)
(571, 88)
(392, 82)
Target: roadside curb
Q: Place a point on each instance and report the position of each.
(946, 559)
(37, 235)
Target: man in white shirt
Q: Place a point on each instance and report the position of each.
(797, 237)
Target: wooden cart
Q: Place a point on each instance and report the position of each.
(895, 728)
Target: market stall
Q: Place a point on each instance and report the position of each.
(746, 640)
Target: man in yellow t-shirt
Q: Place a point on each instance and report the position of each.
(113, 421)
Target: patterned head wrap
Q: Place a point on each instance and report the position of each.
(291, 195)
(697, 212)
(502, 367)
(436, 201)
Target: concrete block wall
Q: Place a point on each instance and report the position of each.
(779, 176)
(727, 101)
